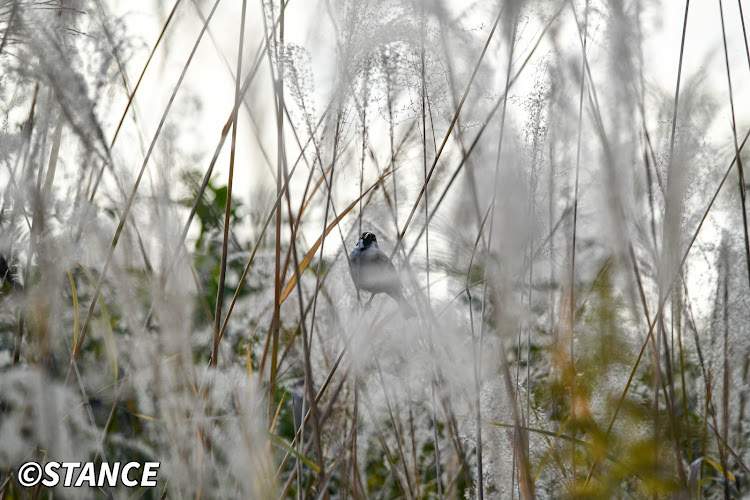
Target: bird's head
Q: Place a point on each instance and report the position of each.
(367, 240)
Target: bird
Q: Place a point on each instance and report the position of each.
(373, 272)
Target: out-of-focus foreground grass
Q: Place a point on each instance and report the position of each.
(572, 235)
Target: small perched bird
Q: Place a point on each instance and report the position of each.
(373, 272)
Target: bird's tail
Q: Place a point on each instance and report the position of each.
(407, 311)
